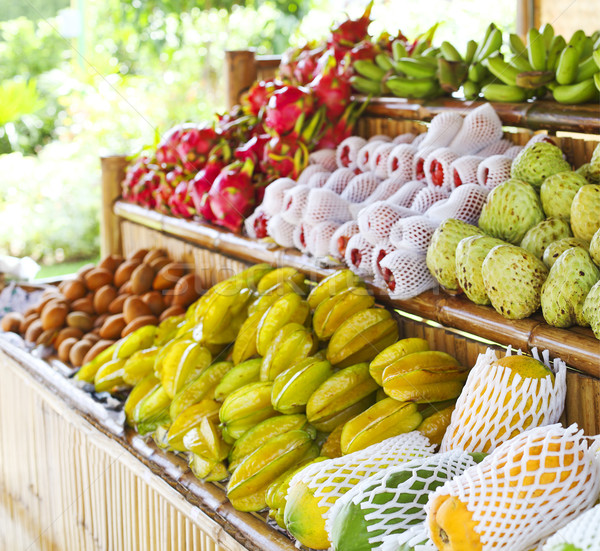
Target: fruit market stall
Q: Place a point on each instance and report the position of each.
(333, 318)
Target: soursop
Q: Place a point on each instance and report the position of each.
(557, 193)
(595, 248)
(541, 235)
(470, 254)
(510, 210)
(585, 212)
(568, 283)
(513, 280)
(535, 163)
(591, 309)
(594, 168)
(441, 253)
(554, 250)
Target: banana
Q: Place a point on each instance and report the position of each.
(502, 70)
(451, 74)
(263, 432)
(566, 71)
(517, 45)
(368, 69)
(293, 342)
(520, 63)
(384, 62)
(398, 50)
(188, 419)
(578, 40)
(139, 365)
(144, 388)
(413, 88)
(184, 362)
(449, 52)
(504, 93)
(332, 312)
(557, 45)
(110, 376)
(491, 45)
(477, 72)
(413, 68)
(596, 56)
(586, 69)
(242, 374)
(536, 50)
(470, 51)
(367, 86)
(533, 80)
(488, 31)
(547, 33)
(293, 387)
(581, 92)
(597, 81)
(333, 284)
(471, 89)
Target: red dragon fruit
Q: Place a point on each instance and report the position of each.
(179, 202)
(287, 109)
(253, 149)
(255, 99)
(284, 156)
(332, 88)
(195, 145)
(341, 129)
(135, 172)
(352, 31)
(144, 190)
(232, 195)
(166, 151)
(364, 50)
(307, 65)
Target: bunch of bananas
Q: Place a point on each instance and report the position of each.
(260, 377)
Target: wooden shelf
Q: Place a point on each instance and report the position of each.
(577, 346)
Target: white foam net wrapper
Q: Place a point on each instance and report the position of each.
(281, 231)
(407, 193)
(306, 174)
(427, 197)
(376, 220)
(492, 406)
(418, 162)
(493, 171)
(405, 502)
(419, 140)
(442, 130)
(384, 190)
(360, 187)
(464, 170)
(496, 148)
(324, 205)
(318, 180)
(359, 255)
(513, 151)
(294, 203)
(250, 220)
(412, 233)
(541, 137)
(380, 138)
(379, 160)
(300, 236)
(273, 199)
(481, 128)
(325, 158)
(339, 179)
(366, 153)
(400, 162)
(440, 160)
(339, 239)
(416, 538)
(319, 237)
(347, 152)
(582, 532)
(407, 137)
(465, 203)
(528, 487)
(332, 478)
(406, 274)
(380, 251)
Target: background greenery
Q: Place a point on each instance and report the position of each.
(140, 67)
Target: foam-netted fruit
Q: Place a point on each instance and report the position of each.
(513, 280)
(585, 212)
(557, 193)
(535, 163)
(543, 234)
(554, 250)
(591, 309)
(510, 210)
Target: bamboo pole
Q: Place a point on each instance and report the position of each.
(240, 73)
(113, 173)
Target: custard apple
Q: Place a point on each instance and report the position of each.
(554, 250)
(591, 309)
(441, 259)
(585, 212)
(535, 163)
(541, 235)
(470, 254)
(593, 172)
(584, 170)
(557, 193)
(568, 283)
(513, 280)
(595, 248)
(510, 210)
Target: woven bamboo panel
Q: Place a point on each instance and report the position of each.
(65, 486)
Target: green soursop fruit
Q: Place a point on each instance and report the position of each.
(593, 172)
(585, 212)
(595, 248)
(535, 163)
(441, 253)
(584, 170)
(541, 235)
(513, 280)
(470, 254)
(568, 283)
(557, 193)
(554, 250)
(510, 210)
(591, 309)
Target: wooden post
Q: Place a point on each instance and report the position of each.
(113, 172)
(240, 71)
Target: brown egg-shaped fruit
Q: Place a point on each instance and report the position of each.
(172, 311)
(187, 290)
(126, 288)
(29, 319)
(74, 289)
(49, 297)
(124, 271)
(47, 337)
(67, 333)
(78, 352)
(103, 297)
(111, 262)
(92, 336)
(141, 279)
(64, 348)
(138, 255)
(99, 321)
(152, 254)
(97, 278)
(168, 276)
(54, 315)
(12, 322)
(80, 320)
(85, 304)
(135, 307)
(98, 347)
(116, 306)
(112, 327)
(34, 330)
(137, 323)
(158, 263)
(155, 302)
(81, 273)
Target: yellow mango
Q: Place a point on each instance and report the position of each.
(304, 517)
(452, 525)
(393, 353)
(184, 362)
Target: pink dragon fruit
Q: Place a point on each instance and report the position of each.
(341, 129)
(166, 151)
(134, 173)
(284, 156)
(255, 100)
(144, 191)
(332, 88)
(307, 65)
(232, 195)
(253, 149)
(363, 50)
(179, 202)
(194, 146)
(352, 31)
(287, 109)
(162, 192)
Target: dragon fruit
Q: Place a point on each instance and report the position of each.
(166, 151)
(337, 132)
(260, 225)
(332, 88)
(135, 172)
(179, 201)
(284, 156)
(194, 146)
(352, 31)
(232, 195)
(255, 100)
(307, 65)
(253, 149)
(288, 108)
